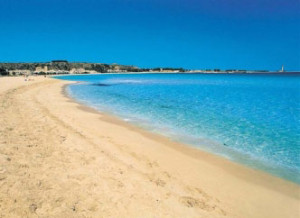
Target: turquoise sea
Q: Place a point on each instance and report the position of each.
(251, 119)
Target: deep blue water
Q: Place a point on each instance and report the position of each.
(250, 119)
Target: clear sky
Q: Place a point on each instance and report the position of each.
(194, 34)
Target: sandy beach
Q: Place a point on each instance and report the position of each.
(61, 159)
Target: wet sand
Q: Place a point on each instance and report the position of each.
(61, 159)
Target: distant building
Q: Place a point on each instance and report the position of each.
(59, 61)
(18, 72)
(116, 71)
(41, 69)
(91, 71)
(77, 71)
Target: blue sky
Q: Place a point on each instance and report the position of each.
(194, 34)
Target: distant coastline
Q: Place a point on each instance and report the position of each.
(62, 67)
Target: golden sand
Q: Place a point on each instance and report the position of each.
(61, 159)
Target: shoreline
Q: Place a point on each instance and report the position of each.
(97, 164)
(187, 149)
(231, 156)
(196, 72)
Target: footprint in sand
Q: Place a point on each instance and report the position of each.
(193, 202)
(158, 181)
(202, 204)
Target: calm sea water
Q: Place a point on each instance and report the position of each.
(250, 119)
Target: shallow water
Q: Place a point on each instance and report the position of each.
(250, 119)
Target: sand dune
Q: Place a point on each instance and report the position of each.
(60, 159)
